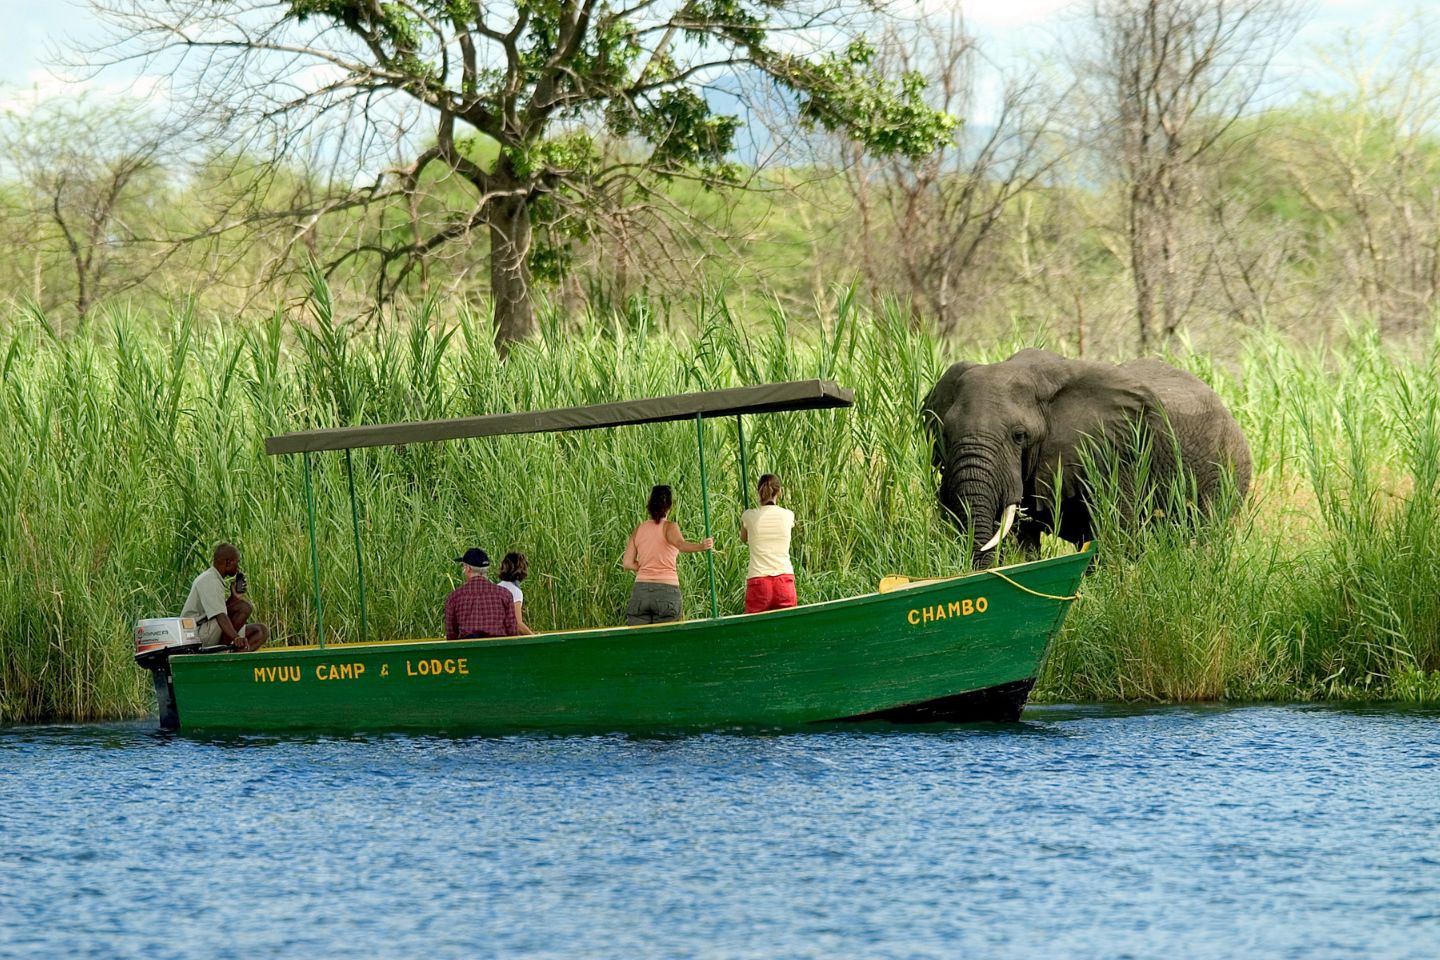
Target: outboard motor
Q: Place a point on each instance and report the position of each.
(155, 641)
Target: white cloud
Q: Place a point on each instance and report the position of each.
(1005, 13)
(992, 14)
(39, 86)
(45, 85)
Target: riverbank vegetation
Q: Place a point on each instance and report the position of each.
(1238, 229)
(1058, 196)
(135, 442)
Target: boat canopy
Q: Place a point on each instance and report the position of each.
(764, 398)
(733, 401)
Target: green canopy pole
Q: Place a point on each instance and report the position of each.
(705, 502)
(314, 552)
(744, 478)
(359, 561)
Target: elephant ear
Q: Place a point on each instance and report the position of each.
(940, 398)
(1090, 402)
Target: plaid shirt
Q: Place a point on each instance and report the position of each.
(478, 606)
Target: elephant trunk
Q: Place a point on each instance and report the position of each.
(973, 495)
(975, 507)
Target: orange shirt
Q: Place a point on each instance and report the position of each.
(655, 554)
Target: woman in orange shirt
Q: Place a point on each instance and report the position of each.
(651, 553)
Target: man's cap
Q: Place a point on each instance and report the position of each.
(474, 557)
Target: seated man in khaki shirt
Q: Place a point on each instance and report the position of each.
(220, 612)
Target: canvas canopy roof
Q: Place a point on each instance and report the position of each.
(765, 398)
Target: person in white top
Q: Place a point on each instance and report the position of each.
(770, 581)
(514, 568)
(221, 613)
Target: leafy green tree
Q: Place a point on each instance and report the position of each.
(518, 103)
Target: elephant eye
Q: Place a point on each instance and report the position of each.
(1018, 435)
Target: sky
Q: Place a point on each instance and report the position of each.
(1008, 30)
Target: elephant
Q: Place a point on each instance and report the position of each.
(1004, 433)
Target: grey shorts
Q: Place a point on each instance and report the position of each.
(653, 603)
(208, 633)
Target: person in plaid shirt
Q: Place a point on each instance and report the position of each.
(478, 608)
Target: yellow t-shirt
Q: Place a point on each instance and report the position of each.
(767, 530)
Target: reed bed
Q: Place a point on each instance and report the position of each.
(132, 445)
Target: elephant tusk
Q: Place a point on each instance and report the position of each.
(1005, 523)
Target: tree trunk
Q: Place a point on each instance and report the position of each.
(510, 237)
(620, 287)
(1141, 261)
(1169, 295)
(82, 291)
(867, 241)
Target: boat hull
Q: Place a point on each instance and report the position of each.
(954, 650)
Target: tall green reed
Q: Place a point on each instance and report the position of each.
(135, 443)
(138, 443)
(1323, 584)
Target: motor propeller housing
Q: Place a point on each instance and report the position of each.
(156, 640)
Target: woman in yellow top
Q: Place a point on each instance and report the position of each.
(770, 583)
(651, 553)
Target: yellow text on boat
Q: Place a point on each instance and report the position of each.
(944, 611)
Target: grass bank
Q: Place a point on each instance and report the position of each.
(131, 446)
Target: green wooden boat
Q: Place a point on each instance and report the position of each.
(957, 649)
(954, 650)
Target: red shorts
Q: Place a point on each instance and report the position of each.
(770, 593)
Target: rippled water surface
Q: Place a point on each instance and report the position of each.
(1260, 831)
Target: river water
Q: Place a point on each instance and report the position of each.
(1080, 832)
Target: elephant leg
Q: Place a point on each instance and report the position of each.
(1028, 536)
(1075, 524)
